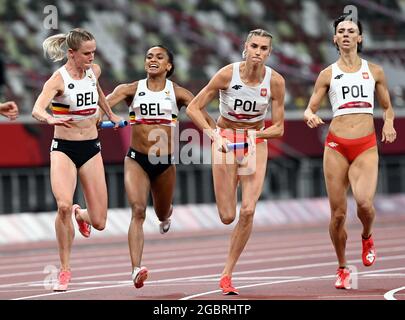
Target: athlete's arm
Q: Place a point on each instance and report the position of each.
(122, 92)
(219, 81)
(102, 101)
(52, 87)
(321, 87)
(184, 97)
(277, 87)
(388, 132)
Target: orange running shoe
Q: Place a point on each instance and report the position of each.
(343, 280)
(84, 227)
(369, 253)
(226, 285)
(139, 275)
(63, 281)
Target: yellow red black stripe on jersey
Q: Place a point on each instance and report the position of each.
(60, 108)
(133, 120)
(63, 109)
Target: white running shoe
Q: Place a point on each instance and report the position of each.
(164, 226)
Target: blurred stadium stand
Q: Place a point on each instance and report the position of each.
(204, 36)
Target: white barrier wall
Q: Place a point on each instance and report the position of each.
(28, 227)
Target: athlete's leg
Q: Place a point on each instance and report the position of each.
(63, 183)
(225, 179)
(162, 188)
(137, 186)
(335, 167)
(363, 175)
(252, 185)
(92, 178)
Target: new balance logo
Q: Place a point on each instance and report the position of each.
(339, 76)
(332, 144)
(237, 87)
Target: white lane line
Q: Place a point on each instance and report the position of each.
(351, 297)
(85, 257)
(387, 275)
(216, 278)
(191, 259)
(288, 281)
(325, 254)
(85, 253)
(127, 283)
(179, 246)
(390, 294)
(17, 290)
(173, 256)
(172, 282)
(190, 267)
(305, 266)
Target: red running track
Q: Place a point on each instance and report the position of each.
(295, 263)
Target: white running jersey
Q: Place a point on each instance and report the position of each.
(352, 92)
(79, 99)
(154, 107)
(243, 103)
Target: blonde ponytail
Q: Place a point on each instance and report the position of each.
(53, 47)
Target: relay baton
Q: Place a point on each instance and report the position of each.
(237, 145)
(110, 124)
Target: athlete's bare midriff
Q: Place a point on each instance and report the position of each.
(80, 130)
(352, 126)
(229, 124)
(154, 138)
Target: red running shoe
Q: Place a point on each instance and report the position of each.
(63, 281)
(343, 280)
(226, 285)
(140, 277)
(84, 227)
(369, 253)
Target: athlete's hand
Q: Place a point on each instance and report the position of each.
(388, 132)
(99, 119)
(312, 120)
(220, 143)
(9, 109)
(251, 142)
(116, 119)
(64, 122)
